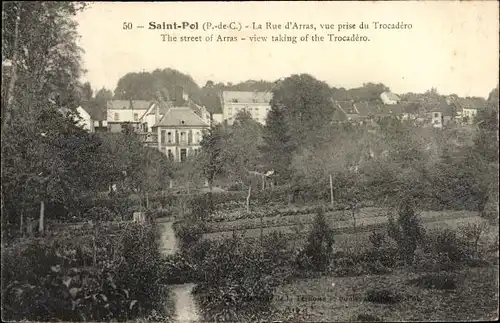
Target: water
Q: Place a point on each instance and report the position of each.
(185, 306)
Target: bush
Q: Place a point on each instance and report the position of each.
(237, 279)
(317, 252)
(107, 273)
(407, 230)
(100, 213)
(377, 239)
(188, 232)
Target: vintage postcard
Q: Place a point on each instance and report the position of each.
(299, 161)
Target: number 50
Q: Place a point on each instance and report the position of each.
(127, 25)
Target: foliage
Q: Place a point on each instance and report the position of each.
(145, 86)
(407, 231)
(87, 277)
(238, 278)
(317, 251)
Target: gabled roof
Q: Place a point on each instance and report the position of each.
(96, 110)
(212, 102)
(391, 109)
(391, 96)
(181, 117)
(347, 107)
(246, 97)
(471, 103)
(128, 104)
(339, 115)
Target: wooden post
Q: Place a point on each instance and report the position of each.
(42, 216)
(22, 224)
(248, 197)
(331, 190)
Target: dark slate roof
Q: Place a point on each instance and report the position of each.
(212, 102)
(97, 110)
(128, 104)
(181, 116)
(339, 115)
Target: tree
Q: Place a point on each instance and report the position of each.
(213, 154)
(145, 85)
(243, 144)
(49, 161)
(104, 95)
(278, 147)
(86, 91)
(307, 107)
(39, 38)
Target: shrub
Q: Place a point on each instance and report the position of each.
(377, 239)
(103, 274)
(188, 232)
(381, 296)
(318, 249)
(100, 213)
(236, 279)
(407, 230)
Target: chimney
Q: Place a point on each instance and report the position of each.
(178, 94)
(157, 112)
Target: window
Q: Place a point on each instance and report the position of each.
(117, 116)
(162, 137)
(169, 137)
(254, 100)
(183, 137)
(436, 115)
(197, 136)
(234, 100)
(170, 155)
(182, 122)
(183, 155)
(136, 117)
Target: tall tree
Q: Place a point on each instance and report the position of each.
(307, 106)
(278, 146)
(40, 40)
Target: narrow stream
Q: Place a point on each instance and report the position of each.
(185, 306)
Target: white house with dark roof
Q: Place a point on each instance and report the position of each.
(120, 112)
(257, 104)
(179, 132)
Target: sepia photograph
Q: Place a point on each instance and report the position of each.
(253, 161)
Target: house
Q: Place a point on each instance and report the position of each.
(389, 98)
(257, 104)
(122, 112)
(178, 132)
(466, 108)
(97, 112)
(441, 114)
(85, 120)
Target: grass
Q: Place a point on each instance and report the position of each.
(332, 299)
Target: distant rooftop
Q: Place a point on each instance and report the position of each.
(128, 104)
(246, 97)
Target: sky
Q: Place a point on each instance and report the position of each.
(452, 46)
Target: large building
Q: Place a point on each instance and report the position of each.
(257, 104)
(175, 127)
(122, 112)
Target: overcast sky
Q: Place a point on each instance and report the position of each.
(453, 46)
